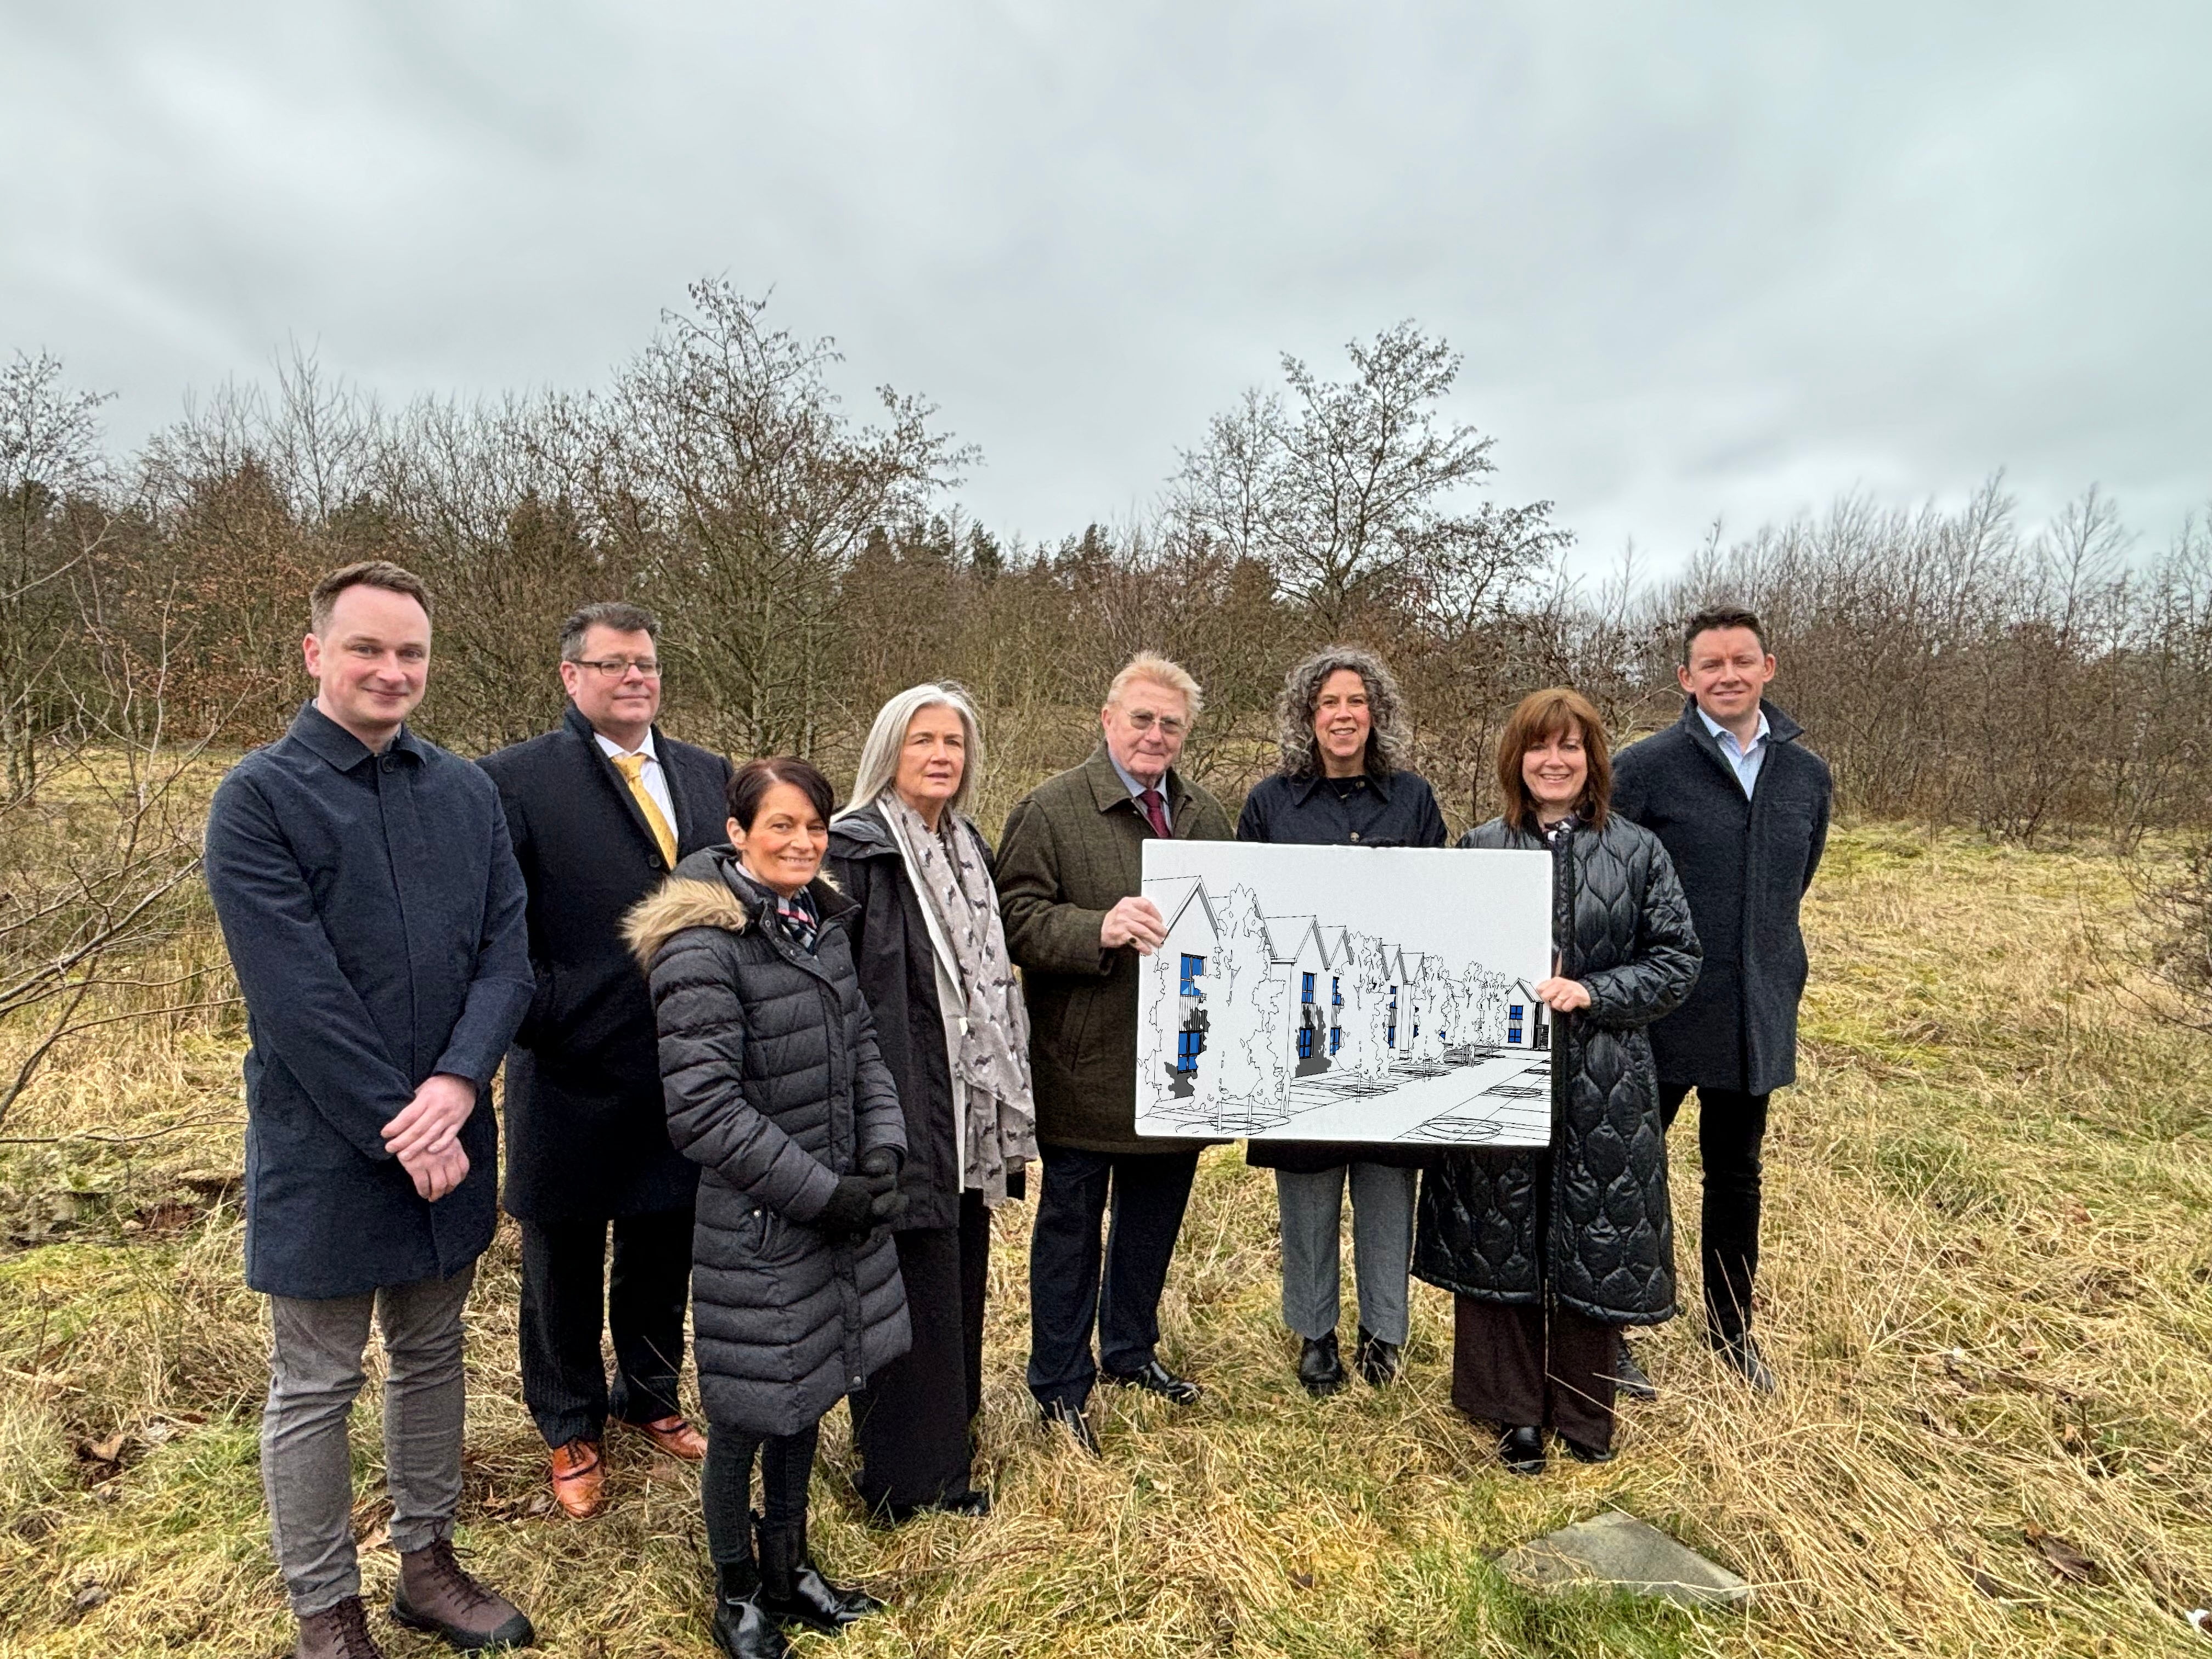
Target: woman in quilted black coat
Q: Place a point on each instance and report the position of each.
(1547, 1253)
(774, 1086)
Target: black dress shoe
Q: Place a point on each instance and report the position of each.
(1321, 1368)
(974, 1504)
(1741, 1352)
(1582, 1454)
(1156, 1378)
(1070, 1417)
(1378, 1360)
(794, 1592)
(1628, 1376)
(1522, 1449)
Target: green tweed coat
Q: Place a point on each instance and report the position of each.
(1070, 853)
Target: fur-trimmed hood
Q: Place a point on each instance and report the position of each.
(710, 889)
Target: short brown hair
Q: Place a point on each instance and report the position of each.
(369, 573)
(1721, 615)
(749, 784)
(620, 615)
(1550, 714)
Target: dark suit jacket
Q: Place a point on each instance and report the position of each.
(1744, 864)
(587, 1134)
(374, 918)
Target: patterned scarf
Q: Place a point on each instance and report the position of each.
(986, 1035)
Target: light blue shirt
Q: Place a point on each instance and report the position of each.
(1167, 817)
(1747, 762)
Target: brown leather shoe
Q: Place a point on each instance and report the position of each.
(338, 1632)
(676, 1436)
(436, 1593)
(579, 1479)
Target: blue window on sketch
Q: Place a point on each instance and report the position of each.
(1305, 1042)
(1513, 1021)
(1335, 1038)
(1335, 992)
(1306, 994)
(1390, 1035)
(1192, 967)
(1188, 1046)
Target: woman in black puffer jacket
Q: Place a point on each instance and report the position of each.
(1549, 1253)
(774, 1085)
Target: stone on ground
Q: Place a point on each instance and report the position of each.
(1615, 1551)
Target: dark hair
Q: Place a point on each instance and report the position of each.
(1547, 714)
(1720, 616)
(369, 573)
(752, 782)
(618, 614)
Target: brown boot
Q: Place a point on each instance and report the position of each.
(579, 1479)
(338, 1632)
(436, 1593)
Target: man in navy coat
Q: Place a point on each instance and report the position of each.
(369, 894)
(600, 808)
(1742, 807)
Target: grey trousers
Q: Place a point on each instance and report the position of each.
(1312, 1207)
(306, 1466)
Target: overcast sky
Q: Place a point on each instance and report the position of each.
(1701, 259)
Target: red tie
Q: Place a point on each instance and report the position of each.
(1154, 813)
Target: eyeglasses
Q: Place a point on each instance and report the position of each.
(1144, 720)
(615, 668)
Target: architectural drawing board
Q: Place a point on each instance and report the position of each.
(1354, 993)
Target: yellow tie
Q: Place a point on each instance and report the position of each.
(632, 767)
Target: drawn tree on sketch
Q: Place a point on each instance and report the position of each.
(1256, 1073)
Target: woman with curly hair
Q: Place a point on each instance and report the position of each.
(1343, 783)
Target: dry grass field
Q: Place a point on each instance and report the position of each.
(1990, 1296)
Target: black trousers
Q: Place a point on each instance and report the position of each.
(1731, 1126)
(725, 1486)
(911, 1423)
(1531, 1367)
(564, 1380)
(1072, 1287)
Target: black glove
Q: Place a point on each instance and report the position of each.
(850, 1211)
(880, 1161)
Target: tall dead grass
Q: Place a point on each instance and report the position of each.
(1988, 1289)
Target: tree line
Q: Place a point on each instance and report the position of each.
(1955, 665)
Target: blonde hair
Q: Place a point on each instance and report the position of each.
(879, 755)
(1160, 672)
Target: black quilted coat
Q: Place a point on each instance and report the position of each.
(1588, 1219)
(775, 1088)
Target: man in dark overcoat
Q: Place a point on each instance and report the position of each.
(368, 895)
(1742, 806)
(601, 809)
(1069, 874)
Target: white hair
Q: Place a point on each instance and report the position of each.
(1154, 669)
(879, 755)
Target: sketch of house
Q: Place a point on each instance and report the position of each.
(1259, 1021)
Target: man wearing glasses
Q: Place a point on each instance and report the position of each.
(600, 809)
(1069, 876)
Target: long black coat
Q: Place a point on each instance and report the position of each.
(1395, 809)
(1590, 1219)
(1745, 865)
(586, 1137)
(774, 1089)
(374, 917)
(898, 976)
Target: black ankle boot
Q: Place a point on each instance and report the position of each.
(1321, 1369)
(793, 1591)
(743, 1628)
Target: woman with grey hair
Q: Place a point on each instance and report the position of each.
(931, 953)
(1342, 783)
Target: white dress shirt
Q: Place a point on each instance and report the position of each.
(1747, 762)
(656, 781)
(1135, 788)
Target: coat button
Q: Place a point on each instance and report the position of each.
(390, 764)
(653, 859)
(1355, 834)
